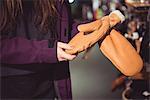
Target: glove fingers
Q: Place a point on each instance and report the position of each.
(121, 53)
(90, 26)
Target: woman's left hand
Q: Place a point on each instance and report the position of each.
(61, 54)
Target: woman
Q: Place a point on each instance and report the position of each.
(33, 61)
(133, 36)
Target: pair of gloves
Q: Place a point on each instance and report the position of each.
(113, 45)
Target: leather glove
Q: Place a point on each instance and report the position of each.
(90, 33)
(121, 53)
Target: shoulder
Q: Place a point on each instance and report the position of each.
(60, 4)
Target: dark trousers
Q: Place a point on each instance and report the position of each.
(27, 87)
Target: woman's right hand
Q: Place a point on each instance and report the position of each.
(61, 54)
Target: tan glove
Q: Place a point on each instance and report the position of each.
(95, 31)
(118, 82)
(121, 53)
(90, 27)
(84, 40)
(121, 80)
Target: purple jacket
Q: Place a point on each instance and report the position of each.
(21, 56)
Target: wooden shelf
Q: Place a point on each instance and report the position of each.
(137, 4)
(137, 7)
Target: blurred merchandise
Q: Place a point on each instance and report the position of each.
(135, 28)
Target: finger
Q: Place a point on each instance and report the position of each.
(64, 46)
(90, 26)
(62, 59)
(67, 56)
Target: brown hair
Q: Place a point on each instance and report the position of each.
(44, 17)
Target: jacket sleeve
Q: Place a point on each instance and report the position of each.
(20, 50)
(74, 30)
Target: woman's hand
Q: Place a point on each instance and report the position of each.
(61, 54)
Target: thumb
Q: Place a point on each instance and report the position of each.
(90, 26)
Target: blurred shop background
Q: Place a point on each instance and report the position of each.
(94, 77)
